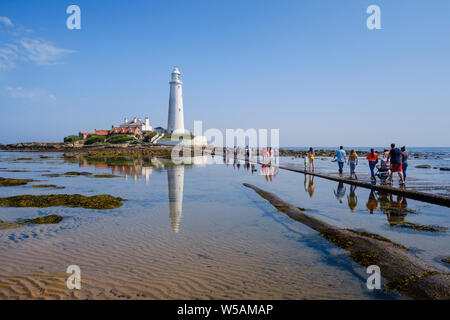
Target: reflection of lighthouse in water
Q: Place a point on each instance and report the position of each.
(175, 177)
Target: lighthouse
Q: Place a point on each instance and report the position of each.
(175, 122)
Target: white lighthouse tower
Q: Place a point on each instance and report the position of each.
(175, 123)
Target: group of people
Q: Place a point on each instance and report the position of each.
(394, 160)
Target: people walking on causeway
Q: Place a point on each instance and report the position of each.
(353, 162)
(341, 158)
(311, 154)
(372, 157)
(404, 161)
(395, 157)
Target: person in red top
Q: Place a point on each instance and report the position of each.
(372, 157)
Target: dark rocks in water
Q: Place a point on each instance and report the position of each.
(20, 159)
(103, 201)
(423, 166)
(6, 182)
(444, 169)
(76, 173)
(51, 175)
(47, 186)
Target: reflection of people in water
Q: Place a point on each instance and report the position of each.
(372, 203)
(268, 172)
(310, 189)
(352, 199)
(339, 193)
(395, 211)
(247, 165)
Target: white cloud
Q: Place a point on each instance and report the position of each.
(6, 21)
(8, 54)
(27, 49)
(34, 95)
(41, 52)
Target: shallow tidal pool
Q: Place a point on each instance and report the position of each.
(195, 232)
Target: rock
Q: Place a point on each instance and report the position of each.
(423, 166)
(444, 169)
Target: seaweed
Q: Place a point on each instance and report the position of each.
(337, 238)
(103, 201)
(76, 173)
(105, 176)
(377, 237)
(364, 257)
(401, 284)
(7, 182)
(51, 175)
(47, 186)
(50, 219)
(419, 227)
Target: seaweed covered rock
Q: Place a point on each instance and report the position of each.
(50, 219)
(105, 176)
(103, 201)
(47, 186)
(76, 173)
(7, 182)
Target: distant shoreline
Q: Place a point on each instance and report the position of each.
(283, 151)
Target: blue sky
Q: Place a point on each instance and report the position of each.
(309, 68)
